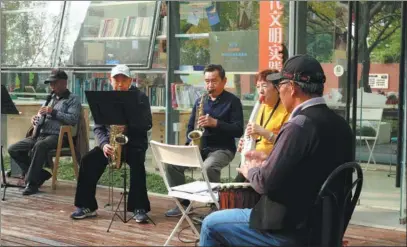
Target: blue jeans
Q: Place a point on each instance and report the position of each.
(231, 228)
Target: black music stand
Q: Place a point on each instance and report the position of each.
(117, 108)
(7, 107)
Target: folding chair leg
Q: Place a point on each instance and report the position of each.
(371, 157)
(56, 163)
(73, 154)
(184, 216)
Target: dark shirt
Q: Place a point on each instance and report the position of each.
(137, 135)
(66, 110)
(308, 148)
(228, 110)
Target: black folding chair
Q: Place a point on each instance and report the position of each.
(334, 206)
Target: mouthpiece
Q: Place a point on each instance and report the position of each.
(261, 98)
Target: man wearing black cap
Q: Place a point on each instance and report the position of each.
(313, 142)
(31, 153)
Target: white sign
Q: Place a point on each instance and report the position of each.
(338, 70)
(379, 81)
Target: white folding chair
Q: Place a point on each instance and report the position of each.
(373, 116)
(187, 156)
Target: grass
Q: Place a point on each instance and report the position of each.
(155, 183)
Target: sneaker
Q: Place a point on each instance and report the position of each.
(82, 213)
(140, 216)
(175, 212)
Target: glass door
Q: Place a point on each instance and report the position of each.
(377, 121)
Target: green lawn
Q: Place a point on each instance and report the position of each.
(154, 181)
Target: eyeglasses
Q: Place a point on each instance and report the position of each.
(278, 85)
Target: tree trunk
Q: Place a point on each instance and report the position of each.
(364, 80)
(364, 54)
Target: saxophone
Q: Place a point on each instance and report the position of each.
(196, 135)
(117, 139)
(249, 142)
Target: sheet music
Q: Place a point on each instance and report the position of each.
(195, 187)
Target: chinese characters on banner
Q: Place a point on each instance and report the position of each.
(271, 35)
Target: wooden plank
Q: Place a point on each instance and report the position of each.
(8, 236)
(43, 219)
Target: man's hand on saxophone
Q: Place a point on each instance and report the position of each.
(207, 121)
(108, 150)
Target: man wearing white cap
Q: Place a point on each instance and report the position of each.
(94, 163)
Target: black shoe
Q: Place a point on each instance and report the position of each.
(140, 216)
(44, 176)
(30, 189)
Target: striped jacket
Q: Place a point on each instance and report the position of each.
(66, 110)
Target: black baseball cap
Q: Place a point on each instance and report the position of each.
(56, 74)
(300, 68)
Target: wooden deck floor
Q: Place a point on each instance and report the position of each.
(43, 219)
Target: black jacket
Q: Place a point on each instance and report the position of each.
(312, 145)
(137, 135)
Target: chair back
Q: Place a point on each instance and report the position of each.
(186, 156)
(335, 205)
(81, 136)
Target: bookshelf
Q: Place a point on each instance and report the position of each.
(118, 32)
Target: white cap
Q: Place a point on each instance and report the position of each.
(120, 69)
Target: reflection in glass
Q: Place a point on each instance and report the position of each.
(29, 31)
(109, 33)
(153, 85)
(25, 85)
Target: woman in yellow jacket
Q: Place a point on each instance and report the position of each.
(271, 117)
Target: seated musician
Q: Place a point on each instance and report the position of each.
(308, 148)
(94, 163)
(31, 153)
(223, 122)
(272, 115)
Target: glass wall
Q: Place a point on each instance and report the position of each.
(86, 39)
(379, 36)
(109, 33)
(226, 33)
(29, 32)
(379, 46)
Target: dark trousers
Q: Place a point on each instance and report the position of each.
(31, 154)
(92, 166)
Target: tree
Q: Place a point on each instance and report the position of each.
(378, 23)
(28, 37)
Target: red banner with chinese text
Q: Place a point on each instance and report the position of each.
(271, 35)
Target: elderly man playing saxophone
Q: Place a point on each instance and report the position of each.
(94, 163)
(222, 119)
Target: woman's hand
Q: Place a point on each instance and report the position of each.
(240, 145)
(255, 130)
(253, 159)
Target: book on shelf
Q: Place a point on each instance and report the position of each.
(184, 95)
(156, 94)
(130, 26)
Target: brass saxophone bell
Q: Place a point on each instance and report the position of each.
(121, 139)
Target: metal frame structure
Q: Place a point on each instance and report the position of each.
(297, 27)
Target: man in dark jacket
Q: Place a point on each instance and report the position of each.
(308, 148)
(31, 153)
(93, 164)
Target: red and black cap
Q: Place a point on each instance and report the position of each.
(56, 74)
(300, 68)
